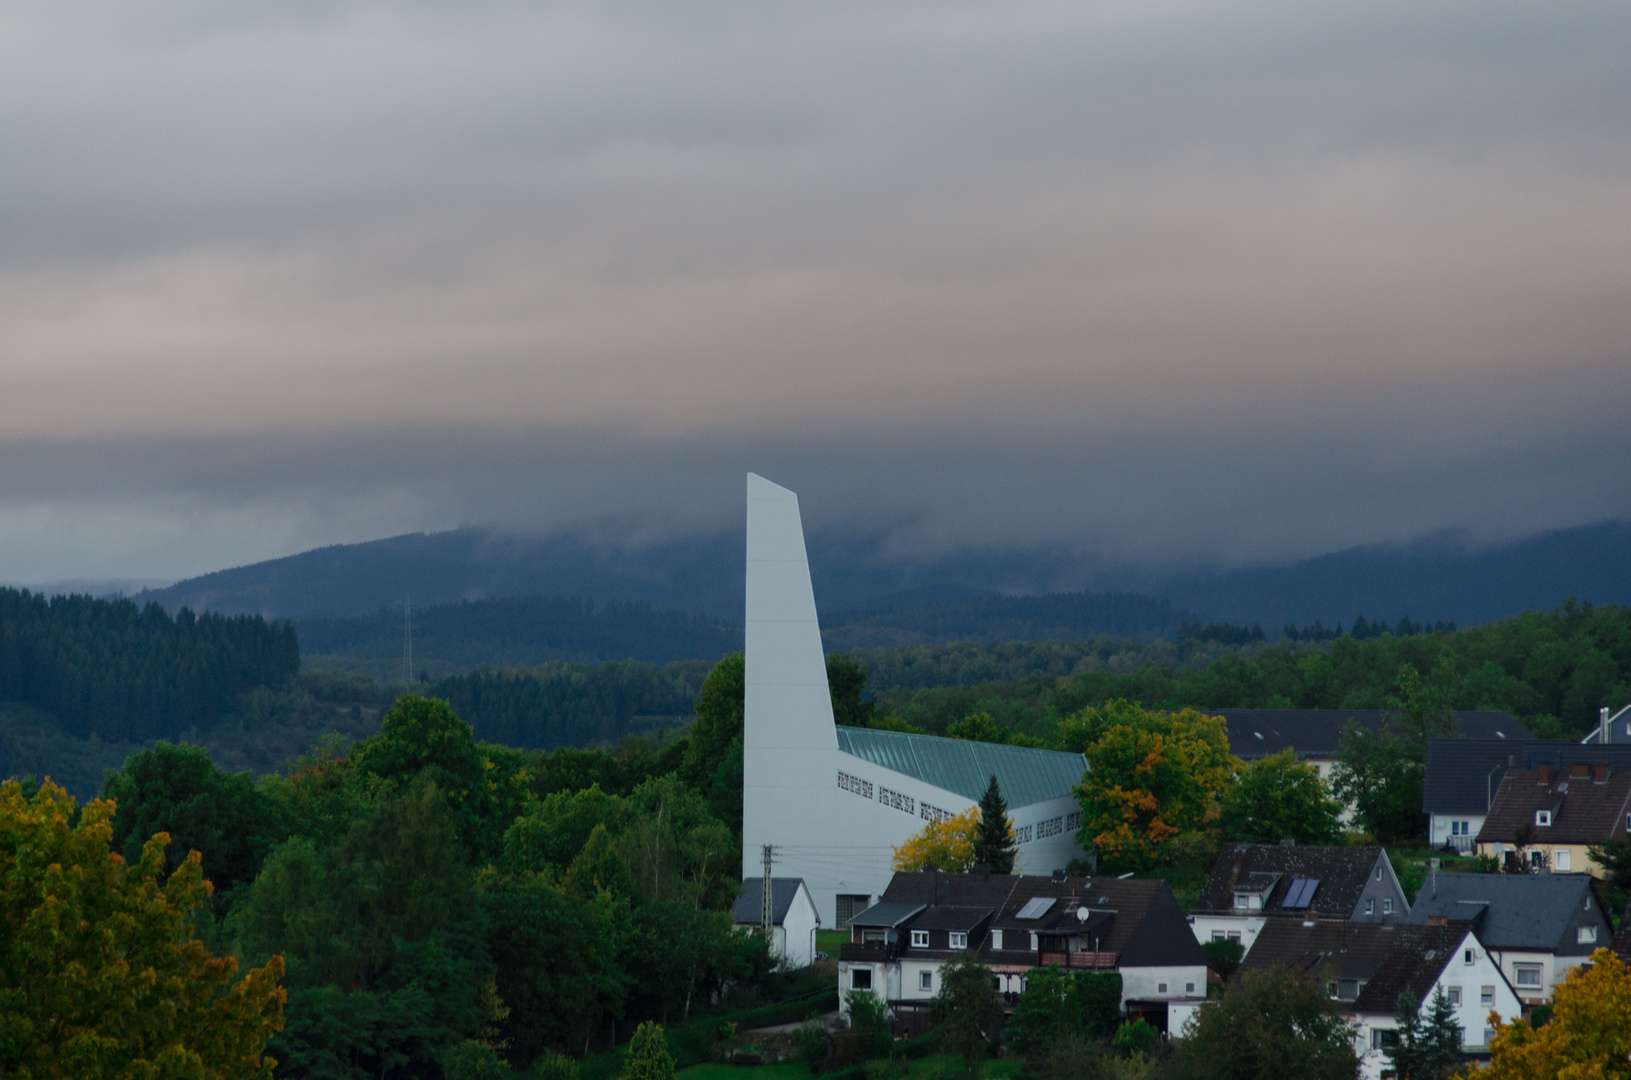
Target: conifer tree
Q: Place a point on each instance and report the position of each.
(994, 843)
(647, 1057)
(1430, 1048)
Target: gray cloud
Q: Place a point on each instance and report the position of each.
(1168, 281)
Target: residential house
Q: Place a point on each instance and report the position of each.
(1463, 776)
(1017, 923)
(1536, 926)
(1316, 734)
(1426, 959)
(1611, 730)
(793, 917)
(1343, 955)
(1253, 883)
(1550, 816)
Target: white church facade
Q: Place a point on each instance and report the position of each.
(834, 802)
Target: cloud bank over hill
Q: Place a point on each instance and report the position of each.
(1161, 282)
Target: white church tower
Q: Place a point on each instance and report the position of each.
(835, 802)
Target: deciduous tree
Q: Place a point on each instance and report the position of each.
(965, 1013)
(947, 843)
(1589, 1034)
(1276, 797)
(1271, 1023)
(101, 973)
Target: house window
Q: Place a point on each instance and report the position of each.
(1218, 935)
(1486, 995)
(1160, 988)
(925, 980)
(1466, 956)
(872, 937)
(1562, 861)
(1331, 989)
(1543, 817)
(959, 940)
(920, 939)
(1383, 1038)
(1248, 900)
(1034, 945)
(1585, 935)
(1489, 1035)
(1189, 988)
(1234, 935)
(996, 939)
(1370, 906)
(1378, 871)
(860, 978)
(1527, 976)
(1387, 905)
(1455, 997)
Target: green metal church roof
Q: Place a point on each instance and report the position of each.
(1025, 776)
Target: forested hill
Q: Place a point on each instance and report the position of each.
(1441, 577)
(451, 638)
(1056, 617)
(127, 674)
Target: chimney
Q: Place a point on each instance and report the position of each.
(1310, 917)
(1438, 920)
(1579, 770)
(1545, 772)
(1599, 774)
(1602, 725)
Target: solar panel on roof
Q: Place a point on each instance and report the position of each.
(1035, 907)
(1301, 892)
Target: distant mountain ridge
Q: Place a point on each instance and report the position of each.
(1434, 578)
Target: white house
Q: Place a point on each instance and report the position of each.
(833, 803)
(1426, 960)
(793, 917)
(1015, 924)
(1538, 927)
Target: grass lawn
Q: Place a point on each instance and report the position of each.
(933, 1067)
(827, 941)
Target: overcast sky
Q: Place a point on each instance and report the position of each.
(1168, 281)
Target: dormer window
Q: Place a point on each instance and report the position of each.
(996, 939)
(959, 940)
(1249, 901)
(920, 939)
(1543, 817)
(1585, 935)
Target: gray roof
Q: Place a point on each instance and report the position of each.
(1317, 733)
(1463, 775)
(886, 913)
(1025, 776)
(1516, 911)
(748, 909)
(1343, 873)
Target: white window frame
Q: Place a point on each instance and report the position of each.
(1537, 970)
(1561, 861)
(1486, 995)
(959, 940)
(1585, 935)
(920, 939)
(1387, 905)
(925, 980)
(1454, 994)
(855, 975)
(996, 939)
(1543, 818)
(1370, 906)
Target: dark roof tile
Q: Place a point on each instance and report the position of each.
(1342, 873)
(747, 907)
(1317, 733)
(1583, 810)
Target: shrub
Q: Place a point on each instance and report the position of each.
(1135, 1037)
(648, 1057)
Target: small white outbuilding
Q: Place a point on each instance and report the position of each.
(793, 917)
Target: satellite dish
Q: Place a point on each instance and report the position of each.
(1081, 914)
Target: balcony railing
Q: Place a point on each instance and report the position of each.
(1463, 844)
(871, 952)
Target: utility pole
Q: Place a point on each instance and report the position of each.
(764, 895)
(407, 639)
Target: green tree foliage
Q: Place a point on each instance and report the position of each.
(179, 791)
(131, 674)
(994, 840)
(713, 761)
(1614, 856)
(1047, 1010)
(1428, 1048)
(846, 681)
(1270, 1023)
(1135, 1037)
(648, 1057)
(1277, 797)
(1224, 956)
(101, 974)
(965, 1013)
(1150, 776)
(1381, 776)
(1552, 670)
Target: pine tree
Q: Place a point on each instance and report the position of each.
(994, 843)
(1429, 1050)
(647, 1057)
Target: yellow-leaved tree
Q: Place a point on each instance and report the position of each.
(947, 843)
(102, 976)
(1588, 1036)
